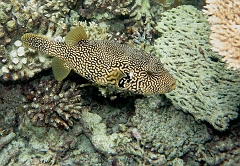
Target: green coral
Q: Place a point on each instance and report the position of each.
(205, 88)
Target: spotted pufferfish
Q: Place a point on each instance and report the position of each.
(104, 62)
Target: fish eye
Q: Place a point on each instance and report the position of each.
(149, 73)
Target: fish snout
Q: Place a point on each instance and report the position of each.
(172, 85)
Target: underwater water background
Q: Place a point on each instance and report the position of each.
(76, 122)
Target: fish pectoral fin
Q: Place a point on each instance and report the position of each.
(60, 69)
(75, 35)
(114, 77)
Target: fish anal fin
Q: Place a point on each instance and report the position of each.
(75, 35)
(60, 69)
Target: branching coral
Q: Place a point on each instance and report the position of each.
(224, 17)
(51, 103)
(205, 88)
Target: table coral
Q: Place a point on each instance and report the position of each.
(205, 88)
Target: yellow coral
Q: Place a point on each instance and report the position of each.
(224, 17)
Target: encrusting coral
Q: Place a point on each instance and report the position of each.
(166, 131)
(205, 88)
(224, 17)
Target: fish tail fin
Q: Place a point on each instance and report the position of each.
(43, 44)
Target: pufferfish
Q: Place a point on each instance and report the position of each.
(104, 62)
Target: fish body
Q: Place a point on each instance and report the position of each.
(104, 62)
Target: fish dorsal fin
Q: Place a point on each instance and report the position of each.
(75, 35)
(60, 71)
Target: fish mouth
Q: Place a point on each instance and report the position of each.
(173, 85)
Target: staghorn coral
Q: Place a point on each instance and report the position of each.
(143, 14)
(224, 17)
(49, 103)
(143, 10)
(135, 14)
(205, 88)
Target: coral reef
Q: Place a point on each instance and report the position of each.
(165, 130)
(104, 10)
(113, 131)
(121, 129)
(96, 31)
(110, 132)
(224, 17)
(48, 145)
(205, 88)
(49, 103)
